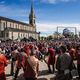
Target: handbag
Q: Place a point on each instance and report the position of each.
(67, 71)
(74, 73)
(73, 70)
(72, 66)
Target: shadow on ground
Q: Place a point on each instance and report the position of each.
(52, 79)
(41, 73)
(44, 72)
(20, 77)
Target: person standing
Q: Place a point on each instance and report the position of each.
(3, 64)
(51, 59)
(13, 59)
(72, 53)
(63, 64)
(31, 66)
(18, 63)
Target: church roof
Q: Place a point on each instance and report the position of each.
(15, 21)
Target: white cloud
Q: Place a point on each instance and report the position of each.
(50, 28)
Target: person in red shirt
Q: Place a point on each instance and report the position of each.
(26, 47)
(3, 64)
(51, 59)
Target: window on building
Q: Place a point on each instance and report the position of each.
(34, 21)
(7, 35)
(21, 35)
(30, 21)
(26, 28)
(10, 24)
(4, 25)
(16, 26)
(20, 27)
(18, 35)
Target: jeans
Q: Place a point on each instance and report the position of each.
(16, 73)
(49, 68)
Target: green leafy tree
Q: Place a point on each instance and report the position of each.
(49, 37)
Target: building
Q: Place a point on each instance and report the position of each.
(12, 29)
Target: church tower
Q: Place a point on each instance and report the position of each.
(32, 17)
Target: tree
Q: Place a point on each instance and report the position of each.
(42, 38)
(49, 37)
(57, 35)
(71, 35)
(76, 36)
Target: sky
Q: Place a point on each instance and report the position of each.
(49, 13)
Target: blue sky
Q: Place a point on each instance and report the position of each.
(48, 12)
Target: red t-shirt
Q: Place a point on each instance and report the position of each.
(3, 63)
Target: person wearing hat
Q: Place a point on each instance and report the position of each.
(51, 59)
(3, 64)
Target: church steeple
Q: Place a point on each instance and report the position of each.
(32, 17)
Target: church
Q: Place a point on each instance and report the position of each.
(13, 29)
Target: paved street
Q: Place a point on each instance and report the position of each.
(43, 75)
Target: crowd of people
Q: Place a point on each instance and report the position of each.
(26, 55)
